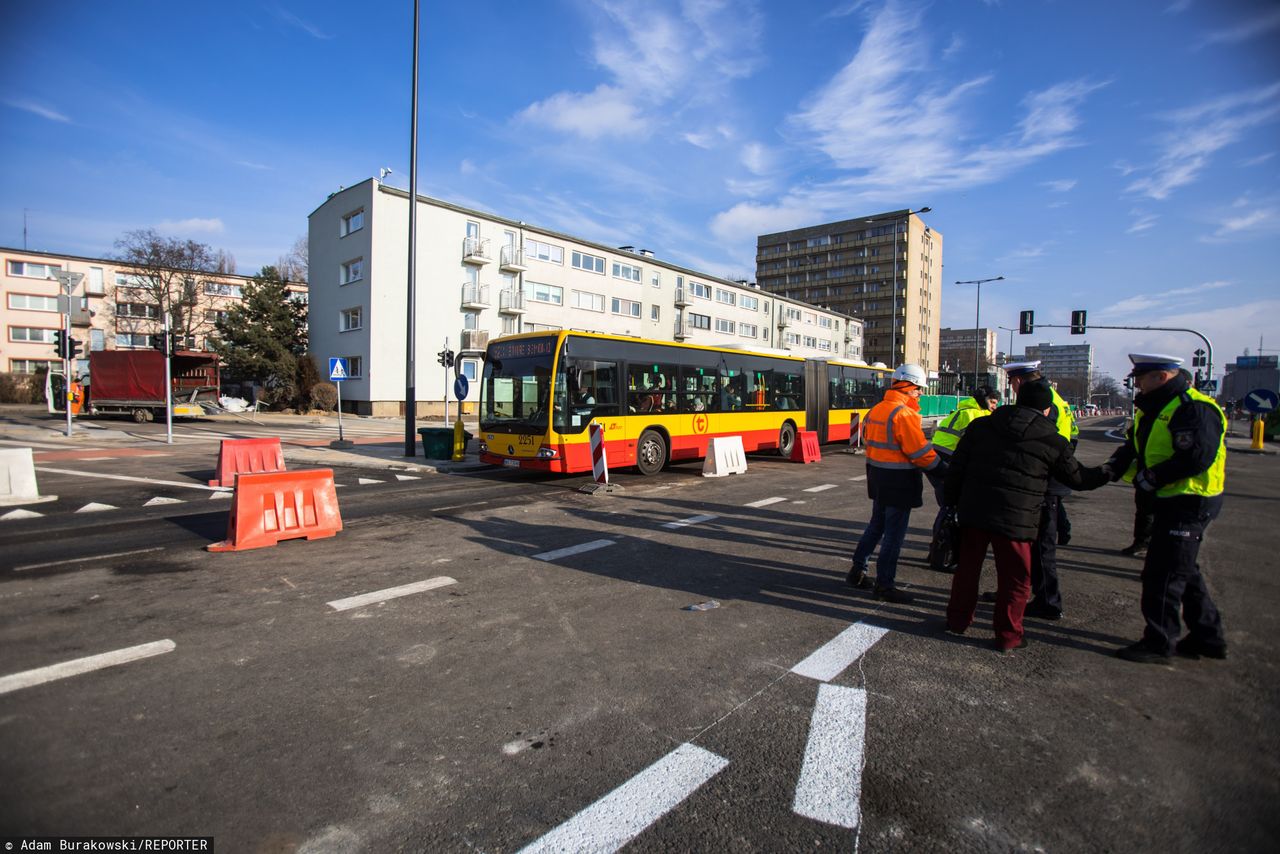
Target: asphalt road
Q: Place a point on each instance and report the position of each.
(503, 708)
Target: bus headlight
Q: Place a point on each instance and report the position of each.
(545, 453)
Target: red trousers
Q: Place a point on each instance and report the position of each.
(1013, 583)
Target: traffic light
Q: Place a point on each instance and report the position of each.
(174, 343)
(1026, 323)
(1128, 383)
(1078, 322)
(446, 358)
(60, 343)
(75, 349)
(158, 342)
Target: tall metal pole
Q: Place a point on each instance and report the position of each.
(67, 363)
(168, 381)
(893, 335)
(410, 369)
(977, 321)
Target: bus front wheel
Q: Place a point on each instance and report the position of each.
(651, 452)
(786, 439)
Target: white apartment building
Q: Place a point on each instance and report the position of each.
(480, 276)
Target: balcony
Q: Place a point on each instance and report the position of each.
(682, 298)
(682, 331)
(783, 320)
(475, 339)
(475, 296)
(475, 251)
(512, 260)
(511, 301)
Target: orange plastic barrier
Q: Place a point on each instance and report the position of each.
(806, 448)
(236, 456)
(283, 505)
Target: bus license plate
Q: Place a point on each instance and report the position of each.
(515, 464)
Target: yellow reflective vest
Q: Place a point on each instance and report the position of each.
(1065, 421)
(948, 434)
(1159, 448)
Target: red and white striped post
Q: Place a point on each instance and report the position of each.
(599, 463)
(855, 433)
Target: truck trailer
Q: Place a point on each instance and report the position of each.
(131, 382)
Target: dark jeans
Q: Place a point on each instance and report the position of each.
(1044, 558)
(890, 525)
(1171, 579)
(1013, 573)
(1144, 515)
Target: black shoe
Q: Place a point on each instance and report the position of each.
(1063, 538)
(857, 579)
(1190, 647)
(1140, 653)
(989, 596)
(1008, 650)
(1134, 550)
(894, 595)
(1042, 612)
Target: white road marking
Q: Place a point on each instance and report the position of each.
(75, 667)
(859, 477)
(827, 662)
(160, 499)
(23, 444)
(407, 477)
(95, 459)
(390, 593)
(765, 502)
(95, 507)
(90, 557)
(184, 484)
(692, 520)
(21, 514)
(627, 811)
(220, 495)
(830, 785)
(823, 488)
(366, 480)
(573, 550)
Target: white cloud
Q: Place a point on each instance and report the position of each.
(1177, 7)
(287, 17)
(249, 164)
(953, 47)
(1250, 29)
(466, 167)
(1247, 225)
(38, 109)
(1025, 253)
(1141, 222)
(1201, 131)
(195, 225)
(1257, 161)
(1060, 186)
(607, 111)
(757, 158)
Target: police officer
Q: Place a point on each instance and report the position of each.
(945, 438)
(1176, 451)
(1046, 601)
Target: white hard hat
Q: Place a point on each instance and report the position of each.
(911, 373)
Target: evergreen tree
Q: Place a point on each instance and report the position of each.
(264, 337)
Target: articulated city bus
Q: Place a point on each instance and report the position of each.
(658, 402)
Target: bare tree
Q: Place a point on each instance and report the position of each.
(293, 265)
(226, 262)
(164, 279)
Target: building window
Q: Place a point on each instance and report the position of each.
(31, 334)
(469, 369)
(590, 263)
(214, 316)
(140, 310)
(353, 221)
(588, 301)
(29, 366)
(748, 330)
(824, 345)
(792, 338)
(699, 321)
(349, 319)
(793, 313)
(655, 279)
(627, 307)
(726, 297)
(654, 313)
(510, 324)
(130, 280)
(539, 292)
(222, 289)
(355, 367)
(810, 341)
(725, 326)
(95, 286)
(134, 339)
(32, 302)
(543, 251)
(749, 302)
(627, 271)
(28, 270)
(352, 271)
(97, 339)
(699, 290)
(824, 322)
(471, 320)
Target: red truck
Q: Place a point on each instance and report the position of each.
(131, 382)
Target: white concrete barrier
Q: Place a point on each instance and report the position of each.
(18, 478)
(724, 456)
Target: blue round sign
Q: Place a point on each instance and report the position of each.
(1261, 401)
(461, 387)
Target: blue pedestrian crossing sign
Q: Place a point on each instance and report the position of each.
(338, 370)
(461, 387)
(1261, 401)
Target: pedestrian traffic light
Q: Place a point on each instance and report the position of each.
(60, 343)
(1026, 323)
(1078, 322)
(446, 358)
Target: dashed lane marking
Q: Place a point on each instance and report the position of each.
(827, 662)
(407, 477)
(859, 477)
(160, 499)
(184, 485)
(627, 811)
(830, 785)
(823, 488)
(21, 514)
(765, 502)
(573, 550)
(390, 593)
(364, 481)
(77, 666)
(95, 507)
(692, 520)
(84, 559)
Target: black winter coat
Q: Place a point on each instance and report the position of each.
(1000, 469)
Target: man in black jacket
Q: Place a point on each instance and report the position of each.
(997, 479)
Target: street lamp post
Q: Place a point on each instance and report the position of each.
(977, 315)
(893, 335)
(1009, 353)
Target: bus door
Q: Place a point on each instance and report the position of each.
(816, 402)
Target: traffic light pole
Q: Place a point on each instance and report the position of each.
(1207, 343)
(168, 381)
(66, 365)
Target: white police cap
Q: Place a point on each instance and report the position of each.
(1143, 362)
(1020, 369)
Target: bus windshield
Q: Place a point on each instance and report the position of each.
(516, 387)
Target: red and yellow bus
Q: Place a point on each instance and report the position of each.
(658, 402)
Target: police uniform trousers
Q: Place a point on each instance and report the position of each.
(1144, 508)
(1045, 592)
(1171, 580)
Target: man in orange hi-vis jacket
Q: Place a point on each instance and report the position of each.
(898, 454)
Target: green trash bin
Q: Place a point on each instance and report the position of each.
(437, 442)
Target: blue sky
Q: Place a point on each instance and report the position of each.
(1119, 157)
